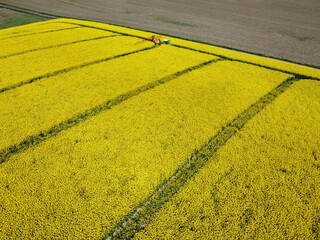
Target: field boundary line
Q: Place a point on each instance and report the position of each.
(36, 33)
(204, 52)
(142, 214)
(55, 46)
(202, 42)
(34, 140)
(76, 67)
(201, 51)
(24, 10)
(298, 75)
(19, 9)
(103, 29)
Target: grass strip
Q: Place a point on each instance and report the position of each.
(55, 46)
(35, 33)
(55, 130)
(142, 214)
(65, 70)
(11, 18)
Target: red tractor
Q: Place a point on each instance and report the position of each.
(156, 40)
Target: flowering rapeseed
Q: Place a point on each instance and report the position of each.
(149, 108)
(80, 183)
(24, 67)
(32, 108)
(264, 183)
(54, 39)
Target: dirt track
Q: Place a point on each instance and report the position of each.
(287, 29)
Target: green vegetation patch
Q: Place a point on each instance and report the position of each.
(9, 18)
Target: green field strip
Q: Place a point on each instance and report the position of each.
(262, 184)
(24, 63)
(26, 44)
(47, 31)
(87, 178)
(57, 45)
(55, 130)
(142, 214)
(11, 18)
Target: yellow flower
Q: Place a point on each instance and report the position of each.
(264, 183)
(116, 118)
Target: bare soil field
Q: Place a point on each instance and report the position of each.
(288, 29)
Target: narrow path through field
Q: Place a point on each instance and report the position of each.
(131, 35)
(34, 140)
(55, 130)
(55, 46)
(143, 213)
(200, 51)
(65, 70)
(48, 31)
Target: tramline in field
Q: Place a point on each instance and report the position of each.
(105, 138)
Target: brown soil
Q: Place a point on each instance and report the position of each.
(287, 29)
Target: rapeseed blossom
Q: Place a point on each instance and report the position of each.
(264, 183)
(170, 100)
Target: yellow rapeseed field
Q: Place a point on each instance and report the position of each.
(16, 69)
(53, 39)
(264, 184)
(105, 166)
(32, 29)
(38, 106)
(95, 130)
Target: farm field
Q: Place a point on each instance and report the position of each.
(103, 137)
(286, 29)
(263, 184)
